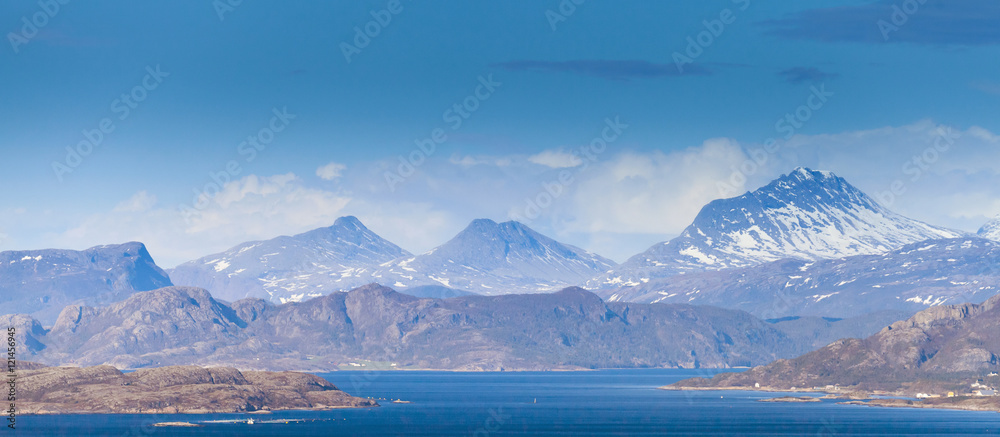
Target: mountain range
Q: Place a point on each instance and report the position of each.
(485, 258)
(293, 268)
(41, 282)
(907, 279)
(806, 244)
(569, 329)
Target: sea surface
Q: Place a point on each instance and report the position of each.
(491, 404)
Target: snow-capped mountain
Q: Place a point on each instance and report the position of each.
(293, 268)
(991, 229)
(911, 278)
(495, 258)
(804, 215)
(42, 282)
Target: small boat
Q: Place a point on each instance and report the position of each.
(250, 421)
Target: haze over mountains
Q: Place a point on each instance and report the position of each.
(42, 282)
(568, 329)
(293, 268)
(485, 258)
(908, 279)
(492, 258)
(807, 244)
(790, 267)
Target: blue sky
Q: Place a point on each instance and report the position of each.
(894, 79)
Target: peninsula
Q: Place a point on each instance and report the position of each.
(175, 390)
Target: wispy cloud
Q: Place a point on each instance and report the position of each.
(331, 171)
(556, 159)
(987, 87)
(952, 22)
(607, 69)
(798, 75)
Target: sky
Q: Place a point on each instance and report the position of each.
(194, 126)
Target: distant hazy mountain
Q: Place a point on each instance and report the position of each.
(181, 323)
(42, 282)
(292, 268)
(907, 279)
(434, 292)
(568, 329)
(493, 258)
(939, 349)
(991, 229)
(805, 215)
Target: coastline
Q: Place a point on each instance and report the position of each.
(195, 411)
(871, 399)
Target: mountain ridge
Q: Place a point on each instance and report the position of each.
(42, 282)
(491, 258)
(941, 349)
(569, 329)
(290, 268)
(805, 214)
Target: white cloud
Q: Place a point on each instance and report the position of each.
(650, 193)
(470, 161)
(331, 171)
(987, 87)
(617, 205)
(955, 185)
(140, 202)
(556, 159)
(247, 209)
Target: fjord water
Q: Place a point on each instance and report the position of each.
(596, 403)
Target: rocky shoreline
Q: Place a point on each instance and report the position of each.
(175, 390)
(856, 397)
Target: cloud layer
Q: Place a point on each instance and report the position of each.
(616, 204)
(952, 22)
(607, 69)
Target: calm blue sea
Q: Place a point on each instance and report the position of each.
(598, 403)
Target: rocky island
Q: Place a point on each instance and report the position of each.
(175, 390)
(942, 357)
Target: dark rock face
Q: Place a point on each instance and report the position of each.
(909, 279)
(939, 347)
(569, 329)
(175, 389)
(806, 215)
(42, 282)
(293, 268)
